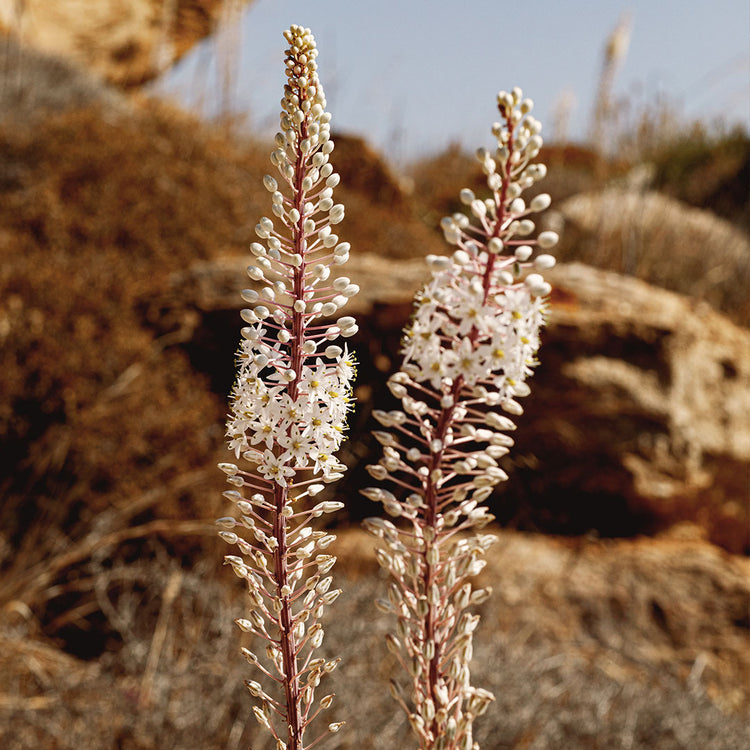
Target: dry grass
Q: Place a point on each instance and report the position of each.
(658, 239)
(586, 646)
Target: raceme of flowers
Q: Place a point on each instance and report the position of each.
(288, 411)
(281, 433)
(468, 351)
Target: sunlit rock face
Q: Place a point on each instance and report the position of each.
(125, 42)
(639, 417)
(637, 420)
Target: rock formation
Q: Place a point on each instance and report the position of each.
(638, 417)
(643, 397)
(125, 42)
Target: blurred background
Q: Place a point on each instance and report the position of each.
(134, 136)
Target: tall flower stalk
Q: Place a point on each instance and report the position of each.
(288, 412)
(466, 356)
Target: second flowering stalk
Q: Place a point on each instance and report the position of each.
(288, 411)
(467, 354)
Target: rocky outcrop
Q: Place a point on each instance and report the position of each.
(639, 416)
(643, 397)
(125, 42)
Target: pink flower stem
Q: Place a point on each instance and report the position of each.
(500, 210)
(286, 638)
(289, 649)
(430, 574)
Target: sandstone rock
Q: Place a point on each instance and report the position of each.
(215, 285)
(126, 42)
(643, 395)
(639, 416)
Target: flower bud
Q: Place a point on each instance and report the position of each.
(540, 202)
(546, 240)
(544, 262)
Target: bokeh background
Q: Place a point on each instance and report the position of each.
(133, 141)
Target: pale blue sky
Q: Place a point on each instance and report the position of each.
(412, 76)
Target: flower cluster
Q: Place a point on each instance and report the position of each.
(288, 409)
(456, 332)
(283, 434)
(467, 354)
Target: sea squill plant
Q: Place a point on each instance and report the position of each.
(467, 353)
(288, 413)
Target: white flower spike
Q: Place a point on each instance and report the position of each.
(467, 353)
(289, 407)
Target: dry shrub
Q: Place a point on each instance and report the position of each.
(664, 242)
(155, 186)
(594, 645)
(101, 412)
(376, 231)
(363, 171)
(705, 167)
(438, 179)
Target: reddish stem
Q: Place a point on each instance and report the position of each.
(286, 636)
(500, 210)
(429, 576)
(289, 650)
